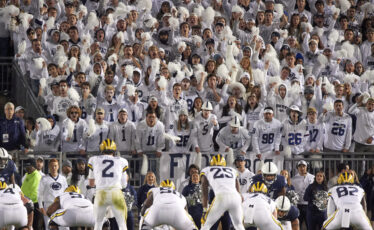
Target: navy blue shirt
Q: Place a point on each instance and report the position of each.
(12, 133)
(292, 214)
(309, 196)
(275, 188)
(8, 171)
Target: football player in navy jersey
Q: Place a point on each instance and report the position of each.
(287, 214)
(276, 183)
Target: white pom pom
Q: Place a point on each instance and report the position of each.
(199, 72)
(73, 63)
(150, 22)
(162, 83)
(130, 90)
(83, 9)
(368, 76)
(328, 86)
(22, 47)
(319, 31)
(237, 9)
(174, 67)
(222, 71)
(44, 124)
(172, 138)
(129, 70)
(121, 36)
(38, 63)
(73, 95)
(198, 160)
(61, 60)
(279, 9)
(276, 79)
(350, 79)
(144, 168)
(64, 36)
(174, 23)
(347, 46)
(184, 13)
(344, 5)
(258, 76)
(145, 5)
(182, 45)
(322, 59)
(287, 151)
(43, 83)
(112, 59)
(121, 11)
(371, 90)
(180, 76)
(329, 106)
(198, 10)
(208, 16)
(84, 62)
(333, 38)
(255, 31)
(12, 10)
(271, 56)
(70, 127)
(50, 23)
(230, 158)
(295, 90)
(341, 54)
(110, 19)
(365, 97)
(227, 34)
(91, 127)
(305, 26)
(146, 36)
(92, 79)
(25, 19)
(92, 21)
(196, 39)
(155, 65)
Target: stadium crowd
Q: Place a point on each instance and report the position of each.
(267, 78)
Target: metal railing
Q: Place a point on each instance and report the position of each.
(328, 162)
(22, 93)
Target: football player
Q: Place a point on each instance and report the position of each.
(259, 209)
(287, 213)
(346, 205)
(165, 206)
(276, 184)
(71, 209)
(108, 174)
(224, 182)
(15, 209)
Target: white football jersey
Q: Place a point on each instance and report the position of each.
(123, 135)
(150, 138)
(165, 195)
(348, 194)
(316, 135)
(184, 145)
(338, 131)
(50, 188)
(237, 141)
(295, 135)
(245, 180)
(258, 200)
(221, 179)
(73, 199)
(267, 136)
(203, 132)
(108, 171)
(76, 142)
(10, 196)
(93, 142)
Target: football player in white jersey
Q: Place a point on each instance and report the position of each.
(235, 137)
(346, 205)
(204, 124)
(50, 186)
(338, 129)
(245, 175)
(122, 132)
(101, 133)
(260, 210)
(15, 209)
(165, 206)
(71, 209)
(224, 182)
(108, 174)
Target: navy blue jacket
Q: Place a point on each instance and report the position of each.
(275, 188)
(8, 171)
(309, 196)
(15, 129)
(292, 214)
(142, 194)
(196, 209)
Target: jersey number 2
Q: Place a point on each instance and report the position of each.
(109, 166)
